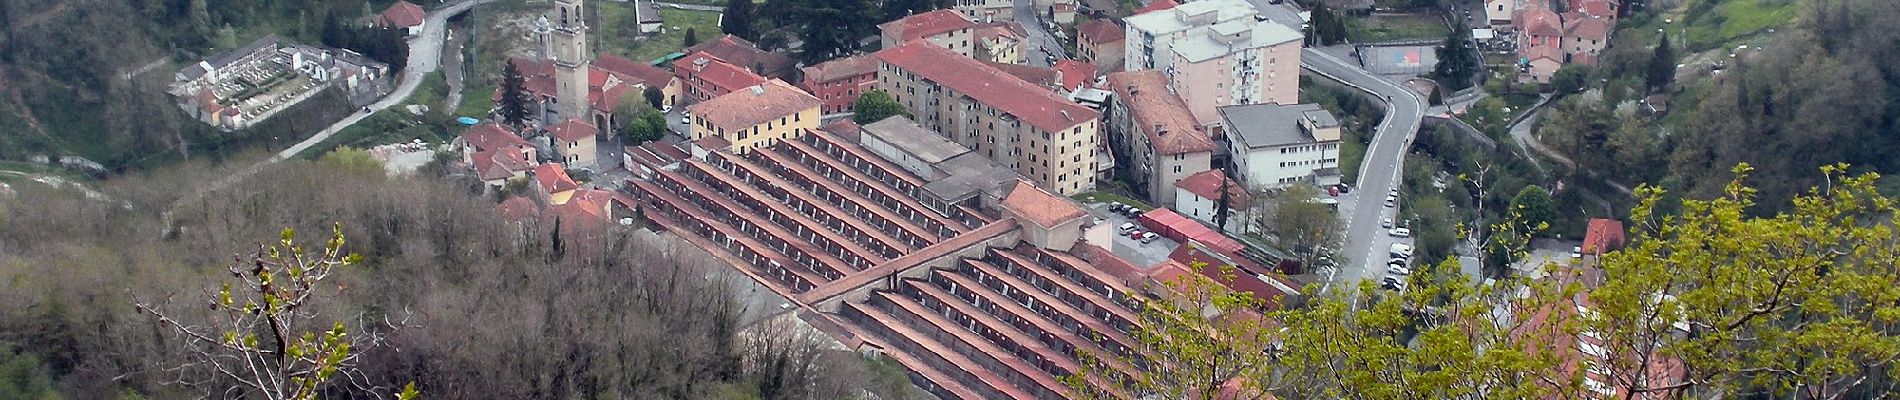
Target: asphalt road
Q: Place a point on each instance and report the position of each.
(1041, 44)
(1365, 251)
(425, 55)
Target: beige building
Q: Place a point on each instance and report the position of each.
(756, 116)
(986, 10)
(573, 142)
(1157, 140)
(1236, 63)
(1044, 137)
(1000, 42)
(944, 28)
(1100, 42)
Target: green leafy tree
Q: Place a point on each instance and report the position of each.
(1296, 220)
(1328, 27)
(1534, 206)
(259, 340)
(1662, 64)
(23, 376)
(653, 96)
(876, 105)
(1196, 339)
(1569, 79)
(1791, 305)
(639, 122)
(736, 19)
(513, 108)
(1457, 61)
(832, 28)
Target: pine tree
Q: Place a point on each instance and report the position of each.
(514, 103)
(692, 38)
(1457, 63)
(1662, 64)
(737, 20)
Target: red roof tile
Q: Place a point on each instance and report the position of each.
(925, 25)
(491, 136)
(1045, 77)
(717, 72)
(1540, 21)
(1597, 8)
(1207, 185)
(553, 179)
(1602, 235)
(740, 52)
(499, 163)
(988, 85)
(632, 72)
(1074, 73)
(1100, 31)
(1153, 106)
(403, 14)
(573, 130)
(1039, 206)
(1587, 27)
(516, 208)
(841, 68)
(1157, 5)
(1544, 51)
(745, 107)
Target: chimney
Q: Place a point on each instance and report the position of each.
(1160, 130)
(757, 90)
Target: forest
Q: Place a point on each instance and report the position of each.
(480, 307)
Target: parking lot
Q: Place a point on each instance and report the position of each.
(1143, 255)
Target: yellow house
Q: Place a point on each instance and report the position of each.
(756, 116)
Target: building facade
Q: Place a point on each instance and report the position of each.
(756, 116)
(839, 82)
(1001, 42)
(1100, 42)
(1044, 137)
(1149, 37)
(985, 11)
(1235, 63)
(571, 59)
(705, 77)
(1198, 196)
(1276, 145)
(1156, 140)
(573, 142)
(944, 28)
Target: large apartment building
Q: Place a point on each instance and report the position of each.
(1044, 137)
(1276, 145)
(756, 116)
(1216, 53)
(944, 28)
(1153, 135)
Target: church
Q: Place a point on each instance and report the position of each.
(573, 87)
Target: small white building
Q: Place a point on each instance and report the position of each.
(1199, 196)
(1276, 145)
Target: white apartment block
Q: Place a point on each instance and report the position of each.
(1276, 145)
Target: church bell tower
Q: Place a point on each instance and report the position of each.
(571, 59)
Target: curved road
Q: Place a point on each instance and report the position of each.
(425, 55)
(1366, 242)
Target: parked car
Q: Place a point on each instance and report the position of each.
(1393, 283)
(1401, 232)
(1576, 252)
(1135, 234)
(1396, 269)
(1391, 200)
(1127, 226)
(1149, 237)
(666, 108)
(1385, 223)
(1398, 261)
(1344, 188)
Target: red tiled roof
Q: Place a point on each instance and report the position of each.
(1100, 31)
(1538, 21)
(403, 14)
(553, 179)
(993, 30)
(573, 130)
(1587, 27)
(499, 163)
(988, 85)
(1157, 5)
(843, 127)
(491, 136)
(1207, 185)
(925, 25)
(1602, 235)
(1039, 206)
(1152, 105)
(516, 208)
(717, 72)
(836, 69)
(1074, 73)
(632, 72)
(1597, 8)
(737, 51)
(745, 107)
(1544, 51)
(1044, 77)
